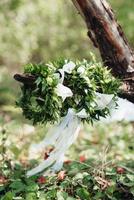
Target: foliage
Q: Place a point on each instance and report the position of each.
(41, 30)
(105, 169)
(45, 31)
(79, 180)
(43, 104)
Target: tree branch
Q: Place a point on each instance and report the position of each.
(107, 35)
(26, 79)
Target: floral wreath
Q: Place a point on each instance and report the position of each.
(66, 92)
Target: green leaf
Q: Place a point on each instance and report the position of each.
(126, 182)
(2, 188)
(83, 193)
(8, 196)
(130, 177)
(17, 186)
(70, 198)
(32, 187)
(132, 191)
(42, 195)
(39, 80)
(31, 196)
(61, 195)
(51, 194)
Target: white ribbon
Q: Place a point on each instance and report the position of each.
(69, 67)
(125, 111)
(62, 90)
(104, 100)
(62, 138)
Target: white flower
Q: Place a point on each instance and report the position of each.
(69, 67)
(63, 91)
(81, 69)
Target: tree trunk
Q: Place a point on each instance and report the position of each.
(107, 35)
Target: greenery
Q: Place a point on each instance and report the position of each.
(77, 181)
(102, 159)
(49, 31)
(43, 104)
(86, 174)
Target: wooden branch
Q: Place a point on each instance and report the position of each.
(107, 35)
(29, 82)
(25, 79)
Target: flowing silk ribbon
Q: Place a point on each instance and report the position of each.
(62, 138)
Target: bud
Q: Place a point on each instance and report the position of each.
(41, 180)
(120, 170)
(82, 158)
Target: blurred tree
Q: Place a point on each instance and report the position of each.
(107, 35)
(36, 30)
(125, 14)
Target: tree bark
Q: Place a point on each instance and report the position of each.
(107, 35)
